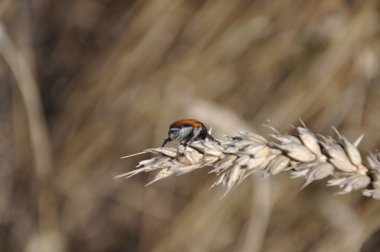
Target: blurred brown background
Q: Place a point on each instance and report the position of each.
(83, 82)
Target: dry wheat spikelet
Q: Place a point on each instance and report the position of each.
(303, 154)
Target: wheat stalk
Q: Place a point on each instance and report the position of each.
(304, 154)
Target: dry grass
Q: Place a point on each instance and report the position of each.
(86, 81)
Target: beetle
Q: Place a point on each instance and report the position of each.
(188, 130)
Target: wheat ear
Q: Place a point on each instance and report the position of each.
(303, 154)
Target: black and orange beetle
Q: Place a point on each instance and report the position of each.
(188, 130)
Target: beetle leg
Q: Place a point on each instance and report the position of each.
(209, 136)
(186, 142)
(166, 141)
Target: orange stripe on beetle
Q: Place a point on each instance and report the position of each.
(191, 122)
